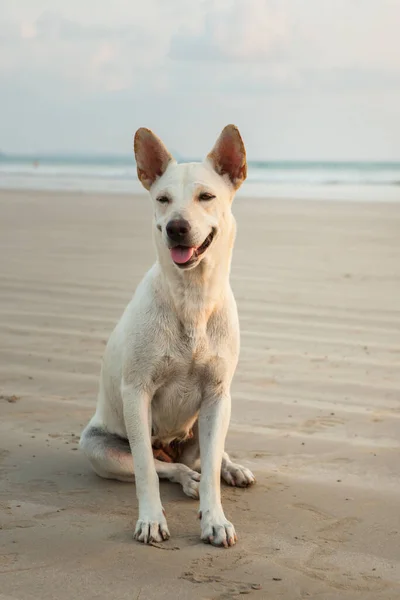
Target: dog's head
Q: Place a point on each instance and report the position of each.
(192, 200)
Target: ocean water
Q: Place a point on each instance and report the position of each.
(117, 174)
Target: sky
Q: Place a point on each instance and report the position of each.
(302, 79)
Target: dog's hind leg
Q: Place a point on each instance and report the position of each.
(108, 453)
(110, 456)
(180, 473)
(234, 474)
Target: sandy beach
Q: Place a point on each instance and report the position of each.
(316, 405)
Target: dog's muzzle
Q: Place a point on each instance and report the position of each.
(185, 255)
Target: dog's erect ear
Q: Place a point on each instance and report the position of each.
(228, 156)
(152, 157)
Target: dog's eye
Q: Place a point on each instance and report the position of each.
(163, 199)
(205, 196)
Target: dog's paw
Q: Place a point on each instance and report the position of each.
(216, 529)
(190, 483)
(236, 475)
(150, 530)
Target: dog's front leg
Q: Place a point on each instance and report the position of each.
(151, 525)
(213, 426)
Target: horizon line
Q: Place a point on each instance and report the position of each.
(34, 156)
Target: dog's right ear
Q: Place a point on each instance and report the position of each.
(152, 157)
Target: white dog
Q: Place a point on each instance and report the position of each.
(164, 394)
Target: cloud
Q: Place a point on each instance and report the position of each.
(53, 26)
(238, 31)
(281, 43)
(28, 30)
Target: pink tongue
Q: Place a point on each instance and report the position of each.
(181, 254)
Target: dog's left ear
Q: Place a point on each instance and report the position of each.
(152, 157)
(228, 157)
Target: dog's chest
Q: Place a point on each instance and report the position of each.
(191, 360)
(183, 378)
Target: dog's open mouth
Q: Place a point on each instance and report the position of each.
(185, 256)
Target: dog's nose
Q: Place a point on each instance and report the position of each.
(177, 229)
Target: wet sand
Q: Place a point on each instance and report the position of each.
(316, 405)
